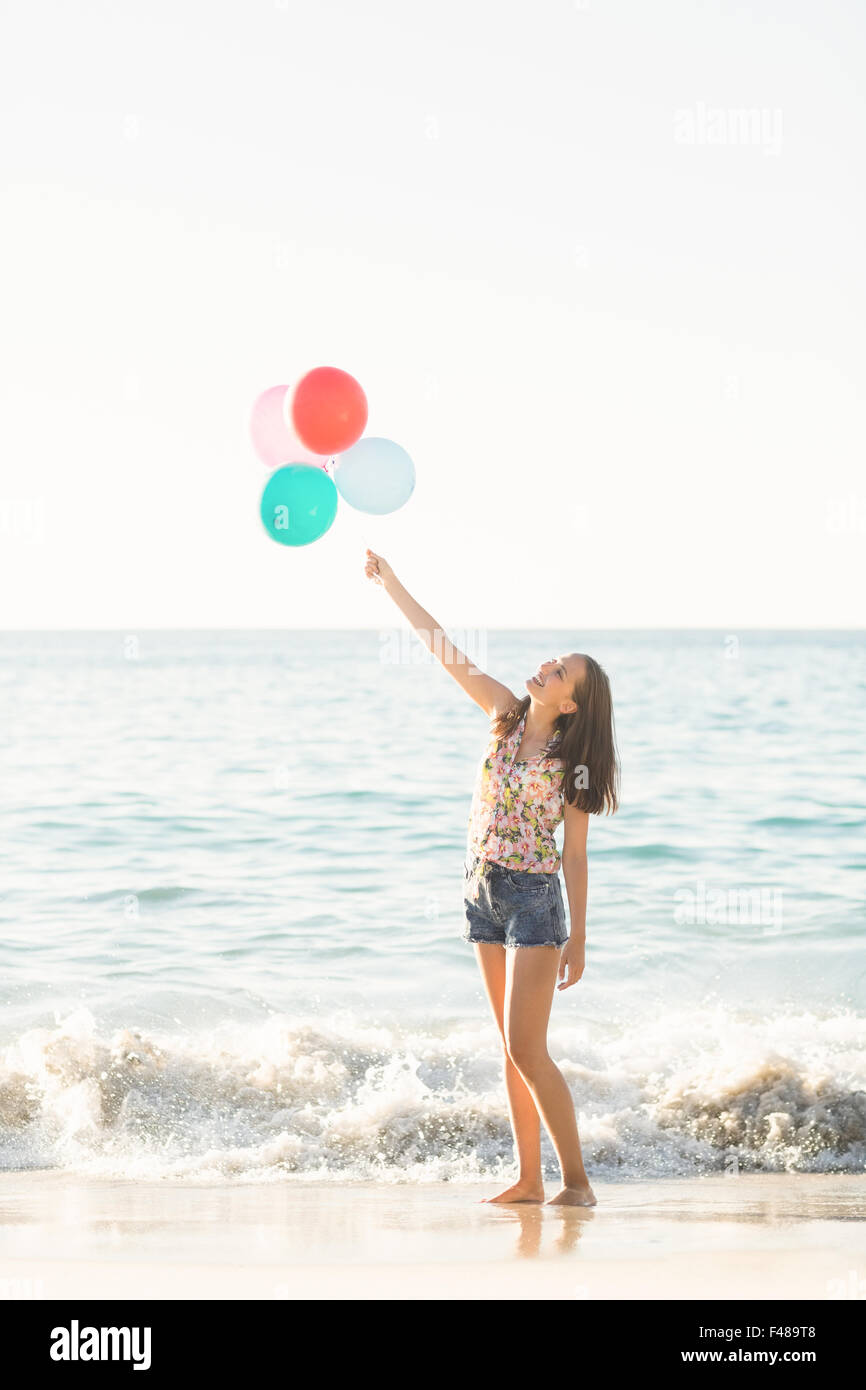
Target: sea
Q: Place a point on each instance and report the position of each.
(231, 940)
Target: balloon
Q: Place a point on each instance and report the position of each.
(298, 504)
(273, 439)
(375, 475)
(327, 410)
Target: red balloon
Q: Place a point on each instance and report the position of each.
(328, 410)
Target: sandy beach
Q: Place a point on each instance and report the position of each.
(755, 1236)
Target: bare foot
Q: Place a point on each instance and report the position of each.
(582, 1196)
(520, 1192)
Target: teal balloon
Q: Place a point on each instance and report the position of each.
(375, 475)
(298, 504)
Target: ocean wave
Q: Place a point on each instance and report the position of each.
(697, 1092)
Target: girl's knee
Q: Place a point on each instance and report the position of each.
(527, 1057)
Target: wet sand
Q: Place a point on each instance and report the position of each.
(753, 1236)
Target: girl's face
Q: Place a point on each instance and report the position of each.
(553, 682)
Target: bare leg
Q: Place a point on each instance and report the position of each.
(525, 1123)
(530, 980)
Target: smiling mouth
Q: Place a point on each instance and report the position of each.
(538, 682)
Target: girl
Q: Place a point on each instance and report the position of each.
(551, 756)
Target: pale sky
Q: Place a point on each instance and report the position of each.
(598, 266)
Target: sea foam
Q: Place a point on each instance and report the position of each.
(698, 1091)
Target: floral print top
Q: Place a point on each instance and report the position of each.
(516, 807)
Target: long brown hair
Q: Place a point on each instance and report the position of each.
(587, 740)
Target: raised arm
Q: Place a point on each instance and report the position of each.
(490, 694)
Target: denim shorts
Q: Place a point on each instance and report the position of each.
(513, 907)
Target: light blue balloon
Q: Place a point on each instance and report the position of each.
(375, 475)
(298, 504)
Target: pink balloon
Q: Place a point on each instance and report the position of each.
(273, 440)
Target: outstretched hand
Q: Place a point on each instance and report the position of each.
(377, 568)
